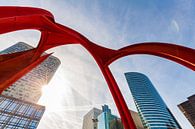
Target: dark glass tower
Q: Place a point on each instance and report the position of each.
(153, 111)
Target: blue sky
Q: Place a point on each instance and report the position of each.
(78, 85)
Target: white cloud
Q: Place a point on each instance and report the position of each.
(80, 84)
(175, 25)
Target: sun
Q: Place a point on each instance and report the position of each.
(53, 94)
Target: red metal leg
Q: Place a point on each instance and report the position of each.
(118, 98)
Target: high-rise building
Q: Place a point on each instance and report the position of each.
(90, 119)
(28, 88)
(151, 108)
(188, 109)
(117, 123)
(108, 121)
(18, 114)
(106, 118)
(103, 119)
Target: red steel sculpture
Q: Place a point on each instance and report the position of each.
(13, 66)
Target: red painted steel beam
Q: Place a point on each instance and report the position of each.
(123, 109)
(13, 69)
(179, 54)
(54, 34)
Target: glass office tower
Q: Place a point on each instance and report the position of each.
(105, 118)
(17, 110)
(153, 111)
(29, 87)
(18, 114)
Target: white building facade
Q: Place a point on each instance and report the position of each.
(90, 120)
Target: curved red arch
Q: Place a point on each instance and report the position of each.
(179, 54)
(54, 34)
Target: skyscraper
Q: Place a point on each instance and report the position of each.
(188, 109)
(105, 118)
(16, 102)
(151, 108)
(28, 88)
(90, 119)
(18, 114)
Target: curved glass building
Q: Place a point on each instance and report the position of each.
(153, 111)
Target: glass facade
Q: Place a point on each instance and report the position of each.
(17, 114)
(105, 118)
(28, 88)
(152, 110)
